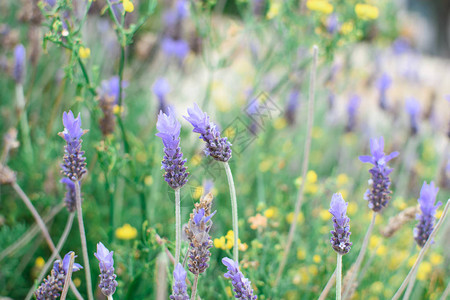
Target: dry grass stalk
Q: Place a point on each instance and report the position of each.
(396, 222)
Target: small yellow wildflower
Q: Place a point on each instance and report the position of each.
(343, 192)
(290, 218)
(39, 262)
(352, 208)
(313, 270)
(196, 159)
(230, 132)
(325, 215)
(148, 180)
(320, 6)
(243, 247)
(381, 250)
(220, 243)
(274, 10)
(198, 192)
(118, 109)
(265, 165)
(436, 259)
(439, 214)
(128, 6)
(311, 176)
(84, 52)
(270, 212)
(316, 258)
(280, 123)
(374, 241)
(424, 270)
(126, 232)
(347, 27)
(301, 254)
(77, 282)
(229, 292)
(366, 11)
(341, 180)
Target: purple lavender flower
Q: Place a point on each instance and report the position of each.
(108, 95)
(173, 162)
(197, 232)
(413, 110)
(241, 285)
(401, 46)
(69, 198)
(383, 85)
(292, 106)
(52, 287)
(379, 194)
(108, 281)
(340, 239)
(74, 165)
(179, 286)
(110, 89)
(217, 147)
(352, 109)
(176, 48)
(19, 63)
(426, 218)
(333, 23)
(161, 88)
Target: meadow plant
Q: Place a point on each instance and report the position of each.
(428, 211)
(108, 281)
(384, 83)
(179, 284)
(242, 287)
(412, 106)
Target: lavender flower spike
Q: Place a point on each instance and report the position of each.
(52, 287)
(19, 63)
(217, 147)
(179, 285)
(173, 162)
(108, 281)
(340, 239)
(74, 165)
(426, 218)
(379, 194)
(70, 197)
(242, 286)
(413, 110)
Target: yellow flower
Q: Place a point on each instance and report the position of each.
(128, 5)
(126, 232)
(352, 208)
(412, 260)
(228, 292)
(424, 270)
(343, 192)
(265, 165)
(316, 258)
(313, 270)
(320, 6)
(374, 241)
(325, 215)
(279, 123)
(117, 109)
(84, 52)
(270, 212)
(290, 217)
(77, 282)
(196, 159)
(341, 179)
(257, 221)
(39, 262)
(347, 27)
(301, 254)
(141, 156)
(230, 132)
(439, 214)
(220, 243)
(366, 11)
(148, 180)
(436, 259)
(274, 10)
(311, 176)
(382, 250)
(243, 247)
(198, 192)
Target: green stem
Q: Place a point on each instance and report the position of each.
(86, 266)
(338, 277)
(234, 211)
(177, 226)
(25, 129)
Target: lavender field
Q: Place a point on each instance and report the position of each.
(224, 149)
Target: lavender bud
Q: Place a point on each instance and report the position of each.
(426, 218)
(292, 106)
(332, 23)
(19, 63)
(384, 84)
(173, 163)
(379, 194)
(74, 165)
(161, 88)
(179, 285)
(352, 109)
(52, 287)
(108, 281)
(413, 110)
(241, 285)
(217, 147)
(340, 236)
(108, 97)
(70, 197)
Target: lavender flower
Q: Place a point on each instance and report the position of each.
(241, 285)
(175, 48)
(413, 110)
(179, 285)
(161, 88)
(108, 281)
(384, 83)
(379, 194)
(340, 239)
(426, 219)
(52, 287)
(108, 96)
(173, 162)
(74, 165)
(291, 107)
(217, 147)
(69, 198)
(19, 63)
(197, 232)
(332, 23)
(352, 109)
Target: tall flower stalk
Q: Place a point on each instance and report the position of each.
(108, 281)
(174, 166)
(74, 168)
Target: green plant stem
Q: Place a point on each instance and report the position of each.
(24, 128)
(360, 257)
(234, 212)
(410, 285)
(338, 277)
(298, 204)
(422, 252)
(68, 276)
(86, 266)
(177, 226)
(194, 288)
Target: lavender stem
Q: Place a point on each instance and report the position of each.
(290, 240)
(339, 277)
(110, 297)
(422, 252)
(83, 240)
(68, 276)
(410, 286)
(177, 226)
(360, 257)
(234, 211)
(328, 286)
(194, 288)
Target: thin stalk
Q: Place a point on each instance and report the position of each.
(298, 204)
(161, 279)
(87, 268)
(194, 288)
(234, 211)
(339, 277)
(446, 292)
(360, 257)
(177, 226)
(55, 253)
(110, 297)
(23, 119)
(327, 288)
(422, 252)
(68, 276)
(410, 285)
